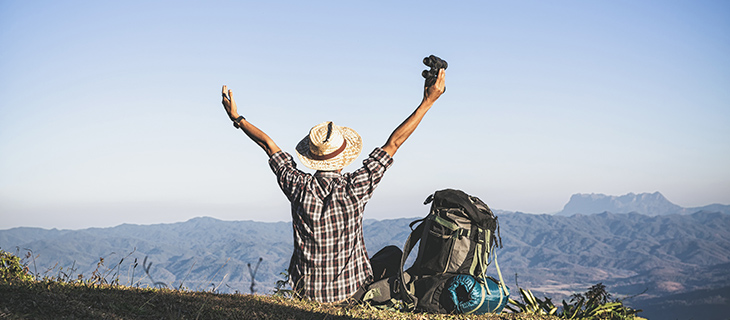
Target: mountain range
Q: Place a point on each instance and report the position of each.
(651, 204)
(659, 257)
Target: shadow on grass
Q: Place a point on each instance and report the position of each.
(50, 300)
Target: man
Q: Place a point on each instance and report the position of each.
(330, 262)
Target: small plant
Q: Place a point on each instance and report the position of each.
(280, 290)
(214, 287)
(531, 305)
(146, 267)
(253, 274)
(13, 269)
(595, 304)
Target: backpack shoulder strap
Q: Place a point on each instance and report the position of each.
(408, 297)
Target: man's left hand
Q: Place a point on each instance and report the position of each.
(229, 104)
(433, 92)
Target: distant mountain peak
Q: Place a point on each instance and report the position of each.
(651, 204)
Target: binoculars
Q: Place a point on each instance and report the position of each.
(435, 63)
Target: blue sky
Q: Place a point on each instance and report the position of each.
(110, 111)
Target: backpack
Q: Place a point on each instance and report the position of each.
(457, 238)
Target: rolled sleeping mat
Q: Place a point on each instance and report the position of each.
(465, 295)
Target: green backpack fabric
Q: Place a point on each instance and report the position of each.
(457, 237)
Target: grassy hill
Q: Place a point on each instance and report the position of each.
(56, 300)
(25, 295)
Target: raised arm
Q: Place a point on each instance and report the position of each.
(258, 136)
(404, 130)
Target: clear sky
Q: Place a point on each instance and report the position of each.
(110, 110)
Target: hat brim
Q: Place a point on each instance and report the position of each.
(347, 156)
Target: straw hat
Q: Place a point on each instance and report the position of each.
(329, 147)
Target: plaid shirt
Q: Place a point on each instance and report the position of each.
(330, 261)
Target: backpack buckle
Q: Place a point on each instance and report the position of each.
(463, 233)
(481, 236)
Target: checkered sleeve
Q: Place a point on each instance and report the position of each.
(290, 179)
(366, 179)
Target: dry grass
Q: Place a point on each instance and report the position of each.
(56, 300)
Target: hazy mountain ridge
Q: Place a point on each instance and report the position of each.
(621, 244)
(198, 248)
(618, 244)
(651, 204)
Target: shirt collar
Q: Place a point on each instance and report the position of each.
(327, 174)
